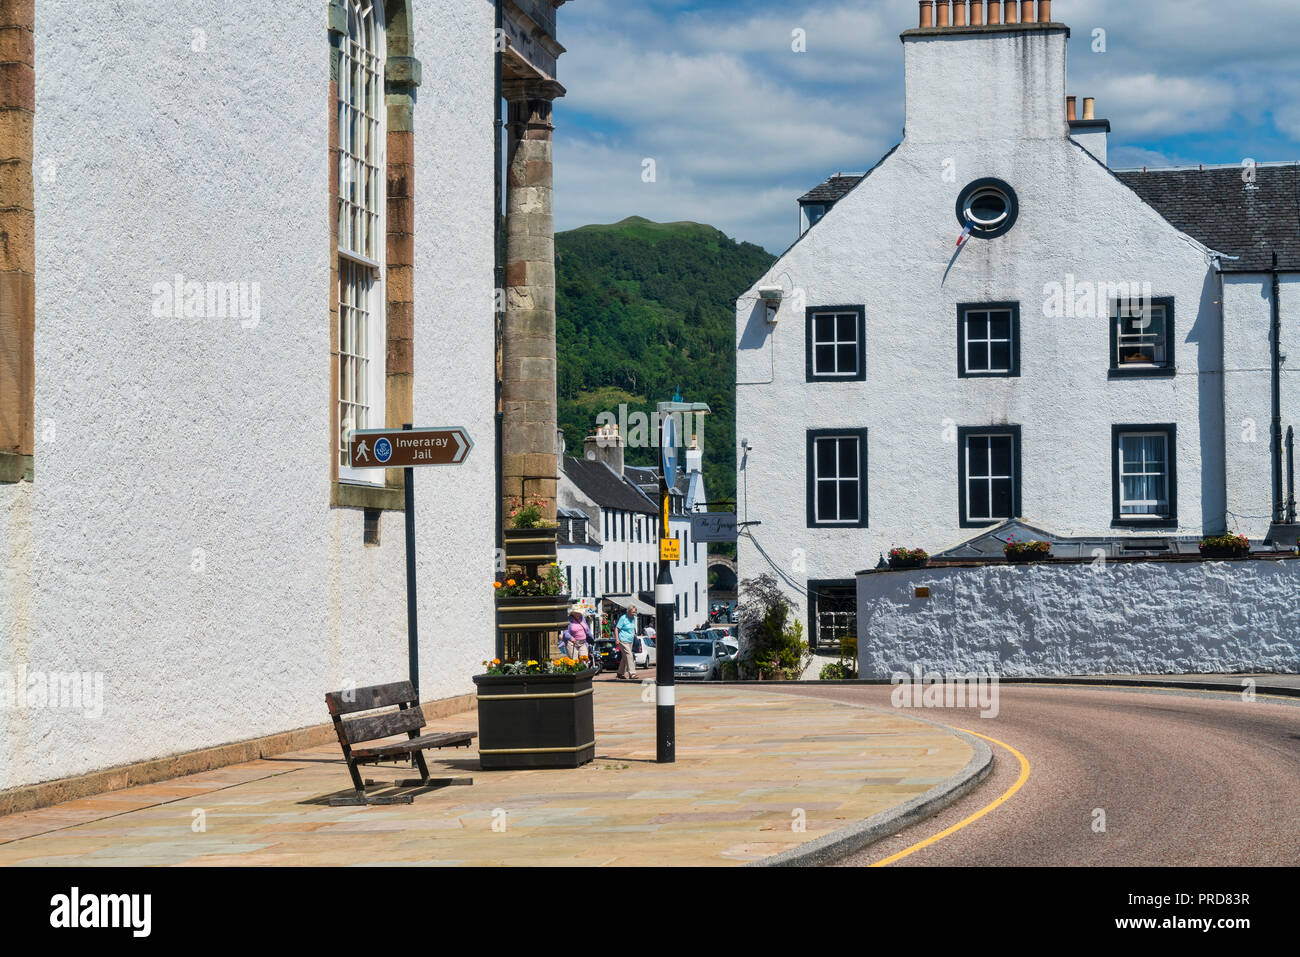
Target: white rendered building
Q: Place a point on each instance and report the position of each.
(1101, 355)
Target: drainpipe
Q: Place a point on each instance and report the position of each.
(1290, 476)
(1276, 429)
(499, 284)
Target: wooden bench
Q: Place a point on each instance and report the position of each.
(407, 719)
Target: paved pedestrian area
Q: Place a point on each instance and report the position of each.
(757, 773)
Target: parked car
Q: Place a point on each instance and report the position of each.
(643, 651)
(696, 657)
(607, 653)
(723, 634)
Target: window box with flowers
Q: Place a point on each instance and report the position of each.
(1021, 553)
(1225, 546)
(535, 714)
(908, 558)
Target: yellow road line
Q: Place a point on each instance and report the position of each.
(1024, 776)
(1236, 693)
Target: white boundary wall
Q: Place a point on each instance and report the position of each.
(1111, 618)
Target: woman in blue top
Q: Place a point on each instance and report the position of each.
(626, 628)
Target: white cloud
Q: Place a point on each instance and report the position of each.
(740, 125)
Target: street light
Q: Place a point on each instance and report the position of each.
(665, 610)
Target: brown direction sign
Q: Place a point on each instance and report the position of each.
(405, 448)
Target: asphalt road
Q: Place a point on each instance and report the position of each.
(1183, 778)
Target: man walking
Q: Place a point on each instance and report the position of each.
(626, 633)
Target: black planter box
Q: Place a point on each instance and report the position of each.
(530, 546)
(1218, 551)
(535, 721)
(533, 613)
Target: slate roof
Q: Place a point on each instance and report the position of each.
(833, 190)
(602, 485)
(1215, 207)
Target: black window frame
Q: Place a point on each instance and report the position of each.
(1135, 371)
(1119, 520)
(1017, 474)
(810, 373)
(813, 435)
(962, 309)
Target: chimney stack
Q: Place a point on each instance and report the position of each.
(959, 13)
(927, 14)
(995, 12)
(606, 445)
(1044, 11)
(977, 13)
(944, 10)
(1089, 108)
(1009, 12)
(1026, 11)
(1071, 108)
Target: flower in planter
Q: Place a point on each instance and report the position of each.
(551, 583)
(908, 557)
(1027, 551)
(1225, 544)
(556, 666)
(527, 513)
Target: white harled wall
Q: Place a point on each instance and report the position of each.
(178, 537)
(1018, 621)
(889, 245)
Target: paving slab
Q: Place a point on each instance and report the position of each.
(746, 787)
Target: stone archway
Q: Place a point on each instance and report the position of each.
(722, 587)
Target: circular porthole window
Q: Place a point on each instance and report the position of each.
(989, 207)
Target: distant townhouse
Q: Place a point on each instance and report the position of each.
(609, 528)
(992, 325)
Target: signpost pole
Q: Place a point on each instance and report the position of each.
(405, 449)
(665, 686)
(412, 628)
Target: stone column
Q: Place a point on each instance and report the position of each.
(18, 235)
(529, 463)
(401, 78)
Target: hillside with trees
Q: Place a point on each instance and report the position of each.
(644, 309)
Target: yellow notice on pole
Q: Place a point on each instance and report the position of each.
(670, 550)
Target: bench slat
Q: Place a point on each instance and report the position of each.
(370, 697)
(441, 739)
(374, 726)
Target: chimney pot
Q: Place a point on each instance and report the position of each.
(959, 13)
(1009, 12)
(1071, 108)
(944, 13)
(995, 12)
(977, 13)
(927, 14)
(1044, 11)
(1089, 108)
(1026, 11)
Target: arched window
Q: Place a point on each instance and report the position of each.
(361, 238)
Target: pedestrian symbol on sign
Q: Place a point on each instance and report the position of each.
(383, 450)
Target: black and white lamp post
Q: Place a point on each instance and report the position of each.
(665, 607)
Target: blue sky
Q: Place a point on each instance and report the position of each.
(739, 125)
